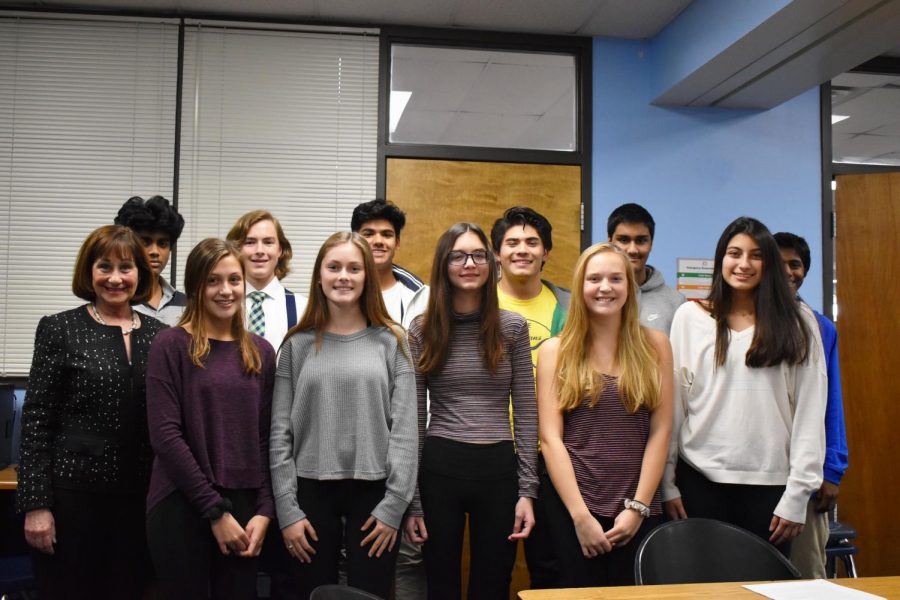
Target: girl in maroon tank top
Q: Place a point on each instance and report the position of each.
(605, 413)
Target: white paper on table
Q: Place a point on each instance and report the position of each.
(816, 589)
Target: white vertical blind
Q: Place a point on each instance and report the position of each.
(284, 121)
(87, 119)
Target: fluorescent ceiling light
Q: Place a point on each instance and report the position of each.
(838, 118)
(399, 99)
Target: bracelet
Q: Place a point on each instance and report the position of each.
(637, 506)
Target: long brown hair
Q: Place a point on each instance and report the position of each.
(639, 378)
(437, 322)
(315, 317)
(200, 263)
(779, 333)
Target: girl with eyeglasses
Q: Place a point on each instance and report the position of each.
(471, 358)
(749, 437)
(605, 404)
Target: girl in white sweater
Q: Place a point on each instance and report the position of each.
(748, 437)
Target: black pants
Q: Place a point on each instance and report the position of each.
(327, 504)
(540, 554)
(276, 563)
(189, 564)
(747, 506)
(100, 551)
(481, 480)
(611, 569)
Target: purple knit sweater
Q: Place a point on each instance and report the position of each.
(209, 427)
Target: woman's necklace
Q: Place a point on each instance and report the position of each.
(100, 320)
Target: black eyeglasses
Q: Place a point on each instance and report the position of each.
(458, 258)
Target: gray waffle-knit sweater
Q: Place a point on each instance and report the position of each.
(346, 411)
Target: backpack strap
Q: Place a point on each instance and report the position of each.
(291, 304)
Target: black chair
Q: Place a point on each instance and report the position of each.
(341, 592)
(707, 551)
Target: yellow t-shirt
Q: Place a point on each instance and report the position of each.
(545, 318)
(538, 311)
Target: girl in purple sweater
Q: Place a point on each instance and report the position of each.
(209, 395)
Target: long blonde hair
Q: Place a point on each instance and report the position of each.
(635, 357)
(200, 262)
(315, 317)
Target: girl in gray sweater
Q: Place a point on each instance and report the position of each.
(344, 437)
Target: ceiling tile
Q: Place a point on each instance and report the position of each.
(863, 80)
(434, 13)
(874, 109)
(549, 133)
(866, 146)
(641, 19)
(888, 129)
(518, 89)
(434, 86)
(477, 129)
(614, 18)
(422, 127)
(524, 15)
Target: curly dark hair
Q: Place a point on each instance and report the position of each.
(374, 210)
(153, 214)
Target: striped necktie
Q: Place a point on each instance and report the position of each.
(257, 320)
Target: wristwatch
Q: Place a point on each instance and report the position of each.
(638, 506)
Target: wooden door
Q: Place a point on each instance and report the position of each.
(868, 288)
(435, 194)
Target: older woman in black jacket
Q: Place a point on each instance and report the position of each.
(85, 452)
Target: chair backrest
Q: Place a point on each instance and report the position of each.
(707, 551)
(341, 592)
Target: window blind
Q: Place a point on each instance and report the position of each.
(87, 119)
(284, 121)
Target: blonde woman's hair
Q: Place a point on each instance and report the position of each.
(371, 303)
(200, 263)
(635, 357)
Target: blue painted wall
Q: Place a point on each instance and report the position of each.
(697, 169)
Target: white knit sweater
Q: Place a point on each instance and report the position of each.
(736, 424)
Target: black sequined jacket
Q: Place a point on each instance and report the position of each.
(84, 422)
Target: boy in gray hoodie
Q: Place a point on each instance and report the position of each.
(630, 228)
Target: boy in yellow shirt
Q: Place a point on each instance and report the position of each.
(522, 240)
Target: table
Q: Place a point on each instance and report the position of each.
(887, 587)
(8, 478)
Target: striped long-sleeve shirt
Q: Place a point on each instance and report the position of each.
(470, 404)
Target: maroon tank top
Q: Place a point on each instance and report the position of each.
(606, 445)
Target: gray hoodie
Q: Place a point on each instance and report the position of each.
(658, 302)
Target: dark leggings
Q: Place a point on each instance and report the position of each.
(540, 554)
(189, 564)
(576, 570)
(747, 506)
(101, 548)
(479, 479)
(327, 504)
